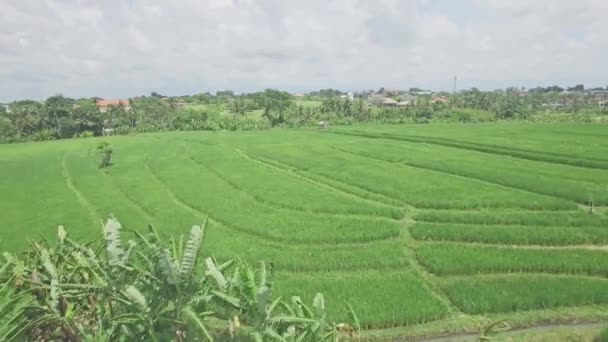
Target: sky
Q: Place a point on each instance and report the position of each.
(123, 48)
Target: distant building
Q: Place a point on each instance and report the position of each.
(299, 95)
(104, 104)
(403, 103)
(348, 95)
(388, 102)
(440, 99)
(603, 104)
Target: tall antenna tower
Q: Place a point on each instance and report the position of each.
(454, 90)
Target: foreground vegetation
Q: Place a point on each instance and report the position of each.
(147, 290)
(414, 226)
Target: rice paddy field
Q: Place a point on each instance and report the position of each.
(409, 224)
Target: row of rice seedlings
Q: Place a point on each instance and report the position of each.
(204, 191)
(511, 293)
(510, 234)
(481, 147)
(508, 217)
(381, 299)
(572, 140)
(284, 190)
(563, 181)
(458, 258)
(223, 243)
(407, 183)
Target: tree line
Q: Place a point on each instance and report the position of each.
(60, 117)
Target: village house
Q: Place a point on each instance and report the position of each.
(440, 99)
(388, 102)
(104, 104)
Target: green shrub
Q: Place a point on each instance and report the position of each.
(43, 135)
(105, 151)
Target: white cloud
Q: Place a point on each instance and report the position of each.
(130, 47)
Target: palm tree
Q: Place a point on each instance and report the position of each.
(238, 108)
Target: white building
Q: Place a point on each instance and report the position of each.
(349, 96)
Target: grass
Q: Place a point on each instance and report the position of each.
(405, 299)
(228, 166)
(511, 234)
(509, 217)
(511, 293)
(377, 178)
(389, 218)
(459, 259)
(572, 183)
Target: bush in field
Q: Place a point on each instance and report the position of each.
(146, 290)
(105, 151)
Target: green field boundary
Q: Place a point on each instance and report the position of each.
(426, 277)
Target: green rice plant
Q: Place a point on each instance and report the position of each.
(563, 181)
(405, 299)
(510, 234)
(105, 151)
(221, 201)
(507, 217)
(483, 147)
(101, 193)
(576, 141)
(321, 213)
(276, 188)
(511, 293)
(387, 255)
(406, 183)
(453, 259)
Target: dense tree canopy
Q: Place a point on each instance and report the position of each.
(61, 117)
